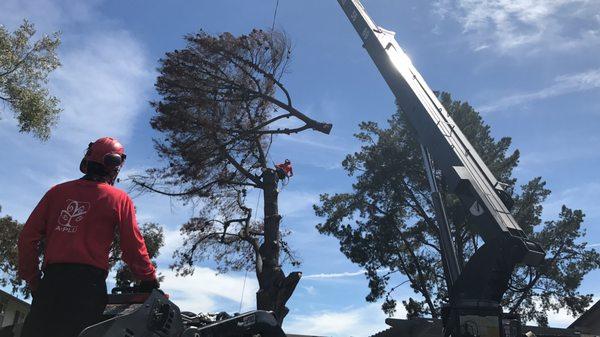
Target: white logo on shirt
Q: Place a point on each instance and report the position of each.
(71, 215)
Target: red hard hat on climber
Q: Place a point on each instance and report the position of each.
(108, 153)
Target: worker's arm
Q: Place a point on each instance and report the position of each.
(133, 246)
(29, 243)
(291, 171)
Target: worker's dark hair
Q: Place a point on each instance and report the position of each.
(96, 171)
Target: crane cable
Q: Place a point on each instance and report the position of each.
(260, 190)
(275, 15)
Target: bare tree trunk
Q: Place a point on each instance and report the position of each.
(275, 288)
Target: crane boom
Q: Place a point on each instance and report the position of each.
(484, 279)
(464, 170)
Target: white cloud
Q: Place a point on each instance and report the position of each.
(103, 85)
(173, 240)
(317, 140)
(365, 320)
(328, 166)
(482, 47)
(47, 15)
(525, 25)
(565, 84)
(311, 290)
(582, 197)
(207, 291)
(322, 276)
(560, 319)
(293, 203)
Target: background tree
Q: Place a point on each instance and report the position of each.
(24, 68)
(153, 237)
(386, 224)
(221, 99)
(9, 233)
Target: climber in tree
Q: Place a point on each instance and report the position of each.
(284, 170)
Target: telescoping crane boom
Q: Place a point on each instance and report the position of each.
(476, 290)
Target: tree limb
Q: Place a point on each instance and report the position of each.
(286, 131)
(533, 281)
(240, 168)
(198, 191)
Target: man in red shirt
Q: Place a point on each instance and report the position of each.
(74, 226)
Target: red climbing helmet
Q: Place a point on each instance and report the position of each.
(107, 152)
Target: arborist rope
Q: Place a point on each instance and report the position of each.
(243, 290)
(257, 202)
(246, 276)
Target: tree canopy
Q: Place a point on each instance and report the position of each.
(221, 103)
(24, 68)
(9, 234)
(153, 237)
(386, 223)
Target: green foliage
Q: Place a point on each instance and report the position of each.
(24, 68)
(153, 236)
(386, 224)
(554, 285)
(9, 234)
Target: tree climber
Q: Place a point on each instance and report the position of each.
(284, 170)
(75, 223)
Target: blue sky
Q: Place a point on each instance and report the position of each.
(531, 66)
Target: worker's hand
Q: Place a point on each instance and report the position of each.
(33, 285)
(148, 285)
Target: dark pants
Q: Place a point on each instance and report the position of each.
(280, 173)
(70, 298)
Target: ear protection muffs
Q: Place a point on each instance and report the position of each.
(113, 159)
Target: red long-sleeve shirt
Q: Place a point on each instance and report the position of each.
(77, 221)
